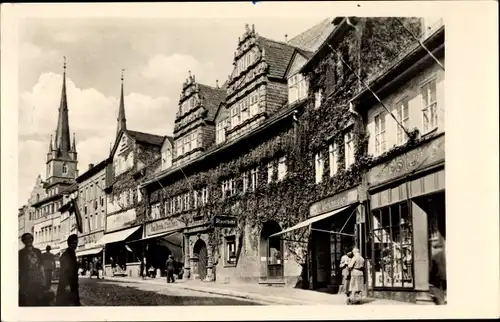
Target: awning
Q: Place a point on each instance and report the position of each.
(309, 221)
(92, 251)
(117, 236)
(173, 241)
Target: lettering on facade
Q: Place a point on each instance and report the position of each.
(225, 221)
(334, 202)
(120, 220)
(420, 157)
(90, 241)
(163, 225)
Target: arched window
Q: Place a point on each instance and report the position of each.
(64, 168)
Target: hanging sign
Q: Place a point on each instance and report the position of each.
(225, 221)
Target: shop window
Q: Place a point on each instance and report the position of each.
(230, 254)
(392, 247)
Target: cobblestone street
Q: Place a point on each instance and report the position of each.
(95, 292)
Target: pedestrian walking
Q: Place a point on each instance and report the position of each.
(437, 274)
(67, 290)
(356, 267)
(49, 264)
(170, 269)
(32, 283)
(143, 268)
(346, 274)
(99, 268)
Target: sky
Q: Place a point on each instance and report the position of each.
(156, 53)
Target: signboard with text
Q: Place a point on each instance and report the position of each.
(225, 221)
(90, 240)
(429, 153)
(163, 225)
(120, 220)
(334, 202)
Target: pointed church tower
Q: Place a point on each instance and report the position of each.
(62, 158)
(122, 121)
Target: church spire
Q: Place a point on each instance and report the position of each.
(50, 144)
(62, 141)
(122, 121)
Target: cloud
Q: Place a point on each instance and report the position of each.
(174, 69)
(92, 116)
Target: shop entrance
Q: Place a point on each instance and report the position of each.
(200, 252)
(331, 239)
(271, 252)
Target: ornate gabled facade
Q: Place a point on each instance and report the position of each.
(194, 129)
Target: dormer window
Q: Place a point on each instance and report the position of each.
(220, 134)
(297, 88)
(166, 159)
(65, 168)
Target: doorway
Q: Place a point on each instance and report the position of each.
(200, 252)
(271, 252)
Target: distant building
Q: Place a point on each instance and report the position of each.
(61, 171)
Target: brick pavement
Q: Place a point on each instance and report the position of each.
(270, 295)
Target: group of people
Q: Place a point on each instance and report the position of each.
(35, 275)
(352, 265)
(169, 269)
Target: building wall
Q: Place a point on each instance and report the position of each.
(411, 91)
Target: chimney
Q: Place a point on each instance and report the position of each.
(217, 83)
(286, 37)
(91, 165)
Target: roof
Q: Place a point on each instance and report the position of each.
(212, 97)
(90, 172)
(170, 139)
(146, 138)
(277, 54)
(313, 37)
(64, 191)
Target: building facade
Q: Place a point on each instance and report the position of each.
(61, 171)
(132, 156)
(92, 205)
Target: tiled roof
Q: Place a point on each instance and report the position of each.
(146, 138)
(313, 37)
(212, 97)
(170, 139)
(278, 56)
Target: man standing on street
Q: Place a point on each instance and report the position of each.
(67, 290)
(356, 266)
(170, 269)
(49, 264)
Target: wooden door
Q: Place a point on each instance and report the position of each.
(202, 262)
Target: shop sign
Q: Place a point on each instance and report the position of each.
(429, 153)
(225, 221)
(120, 220)
(90, 241)
(163, 225)
(334, 202)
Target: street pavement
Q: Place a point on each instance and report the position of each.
(94, 292)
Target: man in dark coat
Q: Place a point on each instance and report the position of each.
(67, 290)
(437, 274)
(31, 274)
(49, 264)
(170, 269)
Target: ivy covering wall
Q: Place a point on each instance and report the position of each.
(367, 50)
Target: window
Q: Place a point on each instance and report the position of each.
(204, 195)
(254, 104)
(85, 211)
(228, 188)
(297, 88)
(281, 168)
(230, 253)
(402, 115)
(429, 110)
(232, 186)
(220, 134)
(392, 246)
(380, 143)
(349, 149)
(318, 96)
(155, 211)
(270, 171)
(254, 178)
(187, 143)
(180, 148)
(194, 142)
(166, 159)
(171, 203)
(186, 201)
(333, 159)
(235, 116)
(319, 163)
(245, 181)
(244, 105)
(65, 168)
